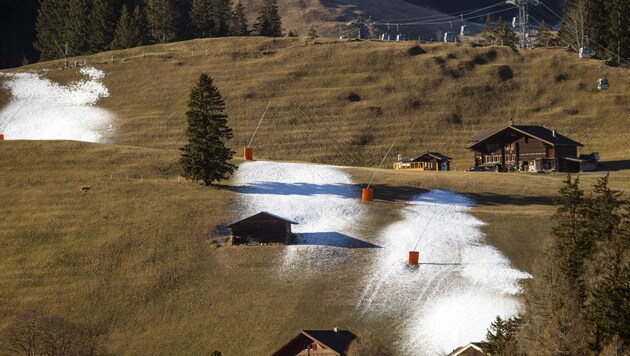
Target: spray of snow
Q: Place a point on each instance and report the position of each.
(458, 289)
(321, 199)
(43, 110)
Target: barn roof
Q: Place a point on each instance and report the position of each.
(539, 132)
(262, 215)
(336, 341)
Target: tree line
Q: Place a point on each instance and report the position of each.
(80, 27)
(602, 25)
(579, 301)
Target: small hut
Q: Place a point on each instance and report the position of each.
(428, 161)
(318, 342)
(262, 228)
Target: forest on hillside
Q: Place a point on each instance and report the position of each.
(32, 30)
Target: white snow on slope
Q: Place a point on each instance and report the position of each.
(43, 110)
(450, 300)
(460, 286)
(320, 198)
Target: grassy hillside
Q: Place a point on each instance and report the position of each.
(430, 101)
(135, 252)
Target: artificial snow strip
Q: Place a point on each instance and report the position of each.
(449, 300)
(43, 110)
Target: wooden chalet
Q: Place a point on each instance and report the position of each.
(428, 161)
(318, 343)
(262, 228)
(472, 349)
(525, 148)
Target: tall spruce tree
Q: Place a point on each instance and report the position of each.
(139, 27)
(161, 16)
(77, 27)
(51, 29)
(222, 11)
(571, 240)
(205, 157)
(618, 29)
(238, 23)
(544, 37)
(269, 20)
(201, 18)
(102, 24)
(124, 37)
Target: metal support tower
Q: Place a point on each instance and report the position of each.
(523, 20)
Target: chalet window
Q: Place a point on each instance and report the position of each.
(526, 139)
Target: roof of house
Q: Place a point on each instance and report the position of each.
(539, 132)
(263, 214)
(337, 341)
(479, 347)
(435, 155)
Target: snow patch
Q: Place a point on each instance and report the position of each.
(460, 286)
(321, 199)
(44, 110)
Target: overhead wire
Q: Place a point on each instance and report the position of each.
(454, 16)
(590, 40)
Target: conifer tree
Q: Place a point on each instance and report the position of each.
(618, 28)
(488, 35)
(205, 157)
(504, 35)
(50, 28)
(501, 336)
(269, 20)
(222, 14)
(161, 16)
(102, 24)
(238, 25)
(77, 27)
(571, 241)
(202, 18)
(140, 27)
(124, 35)
(543, 37)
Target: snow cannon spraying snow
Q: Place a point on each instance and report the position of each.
(248, 152)
(367, 194)
(414, 258)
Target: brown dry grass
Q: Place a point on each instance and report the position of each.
(410, 99)
(135, 252)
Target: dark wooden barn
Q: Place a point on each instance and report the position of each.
(262, 228)
(428, 161)
(318, 342)
(525, 148)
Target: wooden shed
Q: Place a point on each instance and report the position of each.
(262, 228)
(317, 342)
(428, 161)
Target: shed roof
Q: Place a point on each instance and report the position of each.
(539, 132)
(262, 215)
(337, 341)
(436, 155)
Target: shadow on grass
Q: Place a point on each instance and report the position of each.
(331, 239)
(382, 193)
(615, 165)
